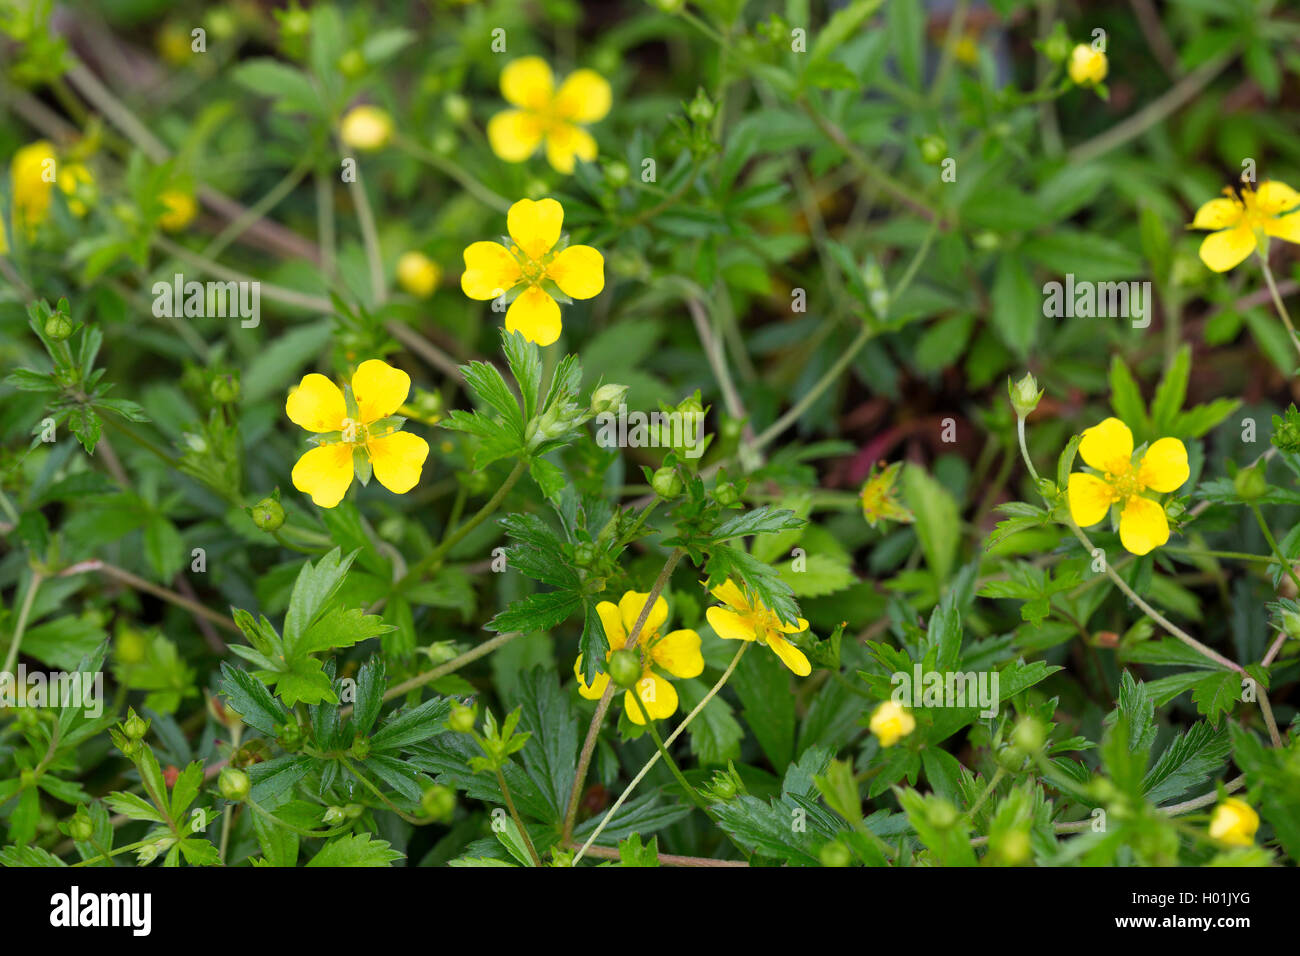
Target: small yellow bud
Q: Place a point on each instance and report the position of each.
(891, 723)
(418, 274)
(180, 210)
(1235, 822)
(366, 127)
(1088, 67)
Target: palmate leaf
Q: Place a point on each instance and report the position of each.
(536, 612)
(356, 849)
(316, 584)
(764, 520)
(1190, 760)
(551, 755)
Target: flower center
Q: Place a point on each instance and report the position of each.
(1125, 482)
(354, 432)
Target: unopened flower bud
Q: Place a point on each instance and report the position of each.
(624, 668)
(666, 482)
(462, 717)
(1029, 735)
(1025, 395)
(58, 327)
(726, 494)
(701, 109)
(268, 514)
(607, 398)
(135, 726)
(333, 816)
(835, 853)
(934, 149)
(438, 802)
(225, 389)
(234, 785)
(456, 107)
(1250, 483)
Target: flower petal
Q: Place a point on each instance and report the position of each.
(379, 389)
(1284, 227)
(514, 134)
(790, 655)
(1090, 499)
(528, 82)
(630, 607)
(1107, 446)
(729, 625)
(1142, 525)
(490, 271)
(730, 594)
(1164, 466)
(1224, 249)
(316, 404)
(579, 271)
(535, 225)
(597, 689)
(613, 623)
(1218, 214)
(536, 315)
(398, 460)
(659, 697)
(1274, 198)
(798, 627)
(678, 652)
(584, 97)
(325, 472)
(565, 143)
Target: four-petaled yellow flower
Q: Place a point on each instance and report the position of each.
(879, 496)
(677, 652)
(531, 260)
(1240, 224)
(1088, 66)
(1234, 821)
(547, 114)
(891, 723)
(1108, 448)
(749, 619)
(356, 433)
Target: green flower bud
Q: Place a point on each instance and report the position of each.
(669, 6)
(1250, 483)
(616, 173)
(1029, 735)
(723, 786)
(934, 149)
(353, 810)
(352, 64)
(290, 736)
(225, 389)
(360, 747)
(59, 326)
(666, 483)
(268, 514)
(584, 555)
(607, 398)
(1291, 624)
(135, 727)
(80, 827)
(462, 718)
(942, 814)
(456, 107)
(1057, 46)
(1011, 847)
(234, 785)
(1025, 395)
(624, 668)
(701, 109)
(438, 802)
(294, 22)
(835, 853)
(444, 143)
(726, 494)
(222, 24)
(333, 816)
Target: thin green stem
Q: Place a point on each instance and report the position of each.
(1272, 543)
(609, 815)
(16, 642)
(1277, 300)
(794, 414)
(690, 791)
(514, 815)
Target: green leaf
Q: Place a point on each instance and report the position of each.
(1216, 694)
(1017, 302)
(536, 612)
(936, 517)
(1190, 760)
(632, 852)
(316, 584)
(291, 88)
(551, 755)
(357, 849)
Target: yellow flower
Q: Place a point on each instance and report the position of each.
(355, 433)
(366, 127)
(532, 258)
(180, 210)
(880, 497)
(1238, 224)
(418, 274)
(891, 723)
(546, 114)
(1087, 66)
(1108, 448)
(76, 183)
(32, 173)
(677, 652)
(1234, 821)
(746, 619)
